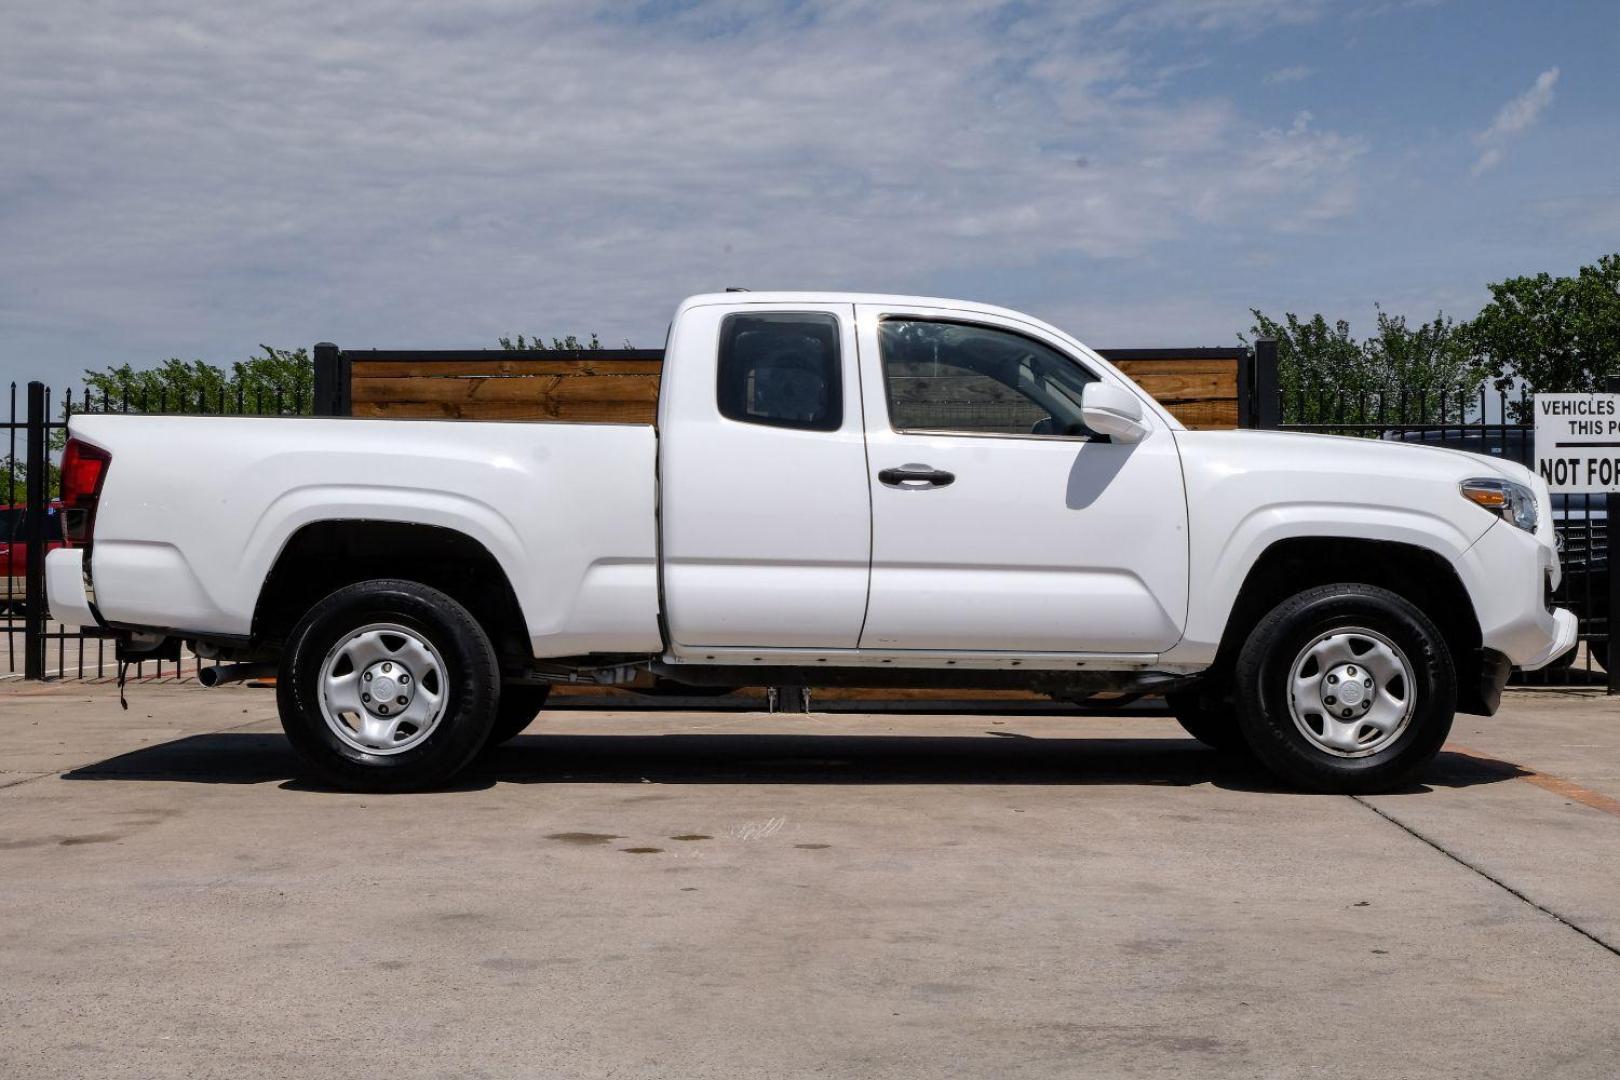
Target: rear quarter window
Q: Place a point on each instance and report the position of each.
(781, 369)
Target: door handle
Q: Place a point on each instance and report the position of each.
(916, 476)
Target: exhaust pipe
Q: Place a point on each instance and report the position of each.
(221, 674)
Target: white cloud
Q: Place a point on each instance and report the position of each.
(1278, 158)
(1291, 74)
(181, 175)
(1513, 119)
(1216, 15)
(1593, 217)
(1387, 7)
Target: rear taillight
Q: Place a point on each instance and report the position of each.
(84, 470)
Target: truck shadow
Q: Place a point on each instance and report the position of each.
(740, 758)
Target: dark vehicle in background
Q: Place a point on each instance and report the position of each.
(1582, 523)
(14, 552)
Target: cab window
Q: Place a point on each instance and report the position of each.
(979, 380)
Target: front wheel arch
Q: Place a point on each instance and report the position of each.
(1422, 577)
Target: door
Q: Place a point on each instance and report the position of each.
(999, 522)
(765, 517)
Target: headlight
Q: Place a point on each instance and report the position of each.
(1515, 503)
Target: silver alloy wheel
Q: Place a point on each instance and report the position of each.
(1351, 692)
(383, 688)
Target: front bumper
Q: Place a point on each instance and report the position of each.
(1508, 574)
(1564, 632)
(67, 590)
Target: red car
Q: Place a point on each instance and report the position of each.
(14, 547)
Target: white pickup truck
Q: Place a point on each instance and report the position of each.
(826, 499)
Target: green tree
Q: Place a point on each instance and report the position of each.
(14, 481)
(1433, 358)
(535, 341)
(278, 381)
(1327, 376)
(14, 470)
(1554, 333)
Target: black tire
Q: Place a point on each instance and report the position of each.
(1263, 681)
(520, 704)
(470, 684)
(1210, 720)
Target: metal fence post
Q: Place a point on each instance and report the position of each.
(328, 380)
(34, 535)
(1267, 402)
(1611, 660)
(1245, 390)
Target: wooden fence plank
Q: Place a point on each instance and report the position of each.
(1188, 387)
(608, 412)
(1200, 392)
(1210, 415)
(538, 388)
(387, 369)
(1178, 367)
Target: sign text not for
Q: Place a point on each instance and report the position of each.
(1578, 442)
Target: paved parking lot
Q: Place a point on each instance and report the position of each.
(663, 893)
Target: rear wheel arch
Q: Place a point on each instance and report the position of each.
(324, 556)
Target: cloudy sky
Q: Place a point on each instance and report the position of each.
(185, 179)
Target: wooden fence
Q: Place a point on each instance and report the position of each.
(1203, 387)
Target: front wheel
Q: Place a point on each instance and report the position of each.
(388, 685)
(1346, 688)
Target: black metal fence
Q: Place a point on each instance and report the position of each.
(31, 525)
(1490, 423)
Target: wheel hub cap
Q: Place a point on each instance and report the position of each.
(386, 687)
(383, 688)
(1348, 690)
(1351, 692)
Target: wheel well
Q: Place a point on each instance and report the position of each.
(325, 556)
(1417, 574)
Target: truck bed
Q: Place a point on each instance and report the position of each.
(196, 509)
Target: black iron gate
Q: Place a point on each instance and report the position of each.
(30, 524)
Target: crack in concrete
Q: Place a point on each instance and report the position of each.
(1488, 876)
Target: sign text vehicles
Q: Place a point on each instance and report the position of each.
(1578, 442)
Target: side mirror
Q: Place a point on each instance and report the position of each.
(1113, 411)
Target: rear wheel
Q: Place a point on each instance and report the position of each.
(388, 685)
(1346, 688)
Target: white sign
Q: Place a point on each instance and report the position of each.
(1578, 442)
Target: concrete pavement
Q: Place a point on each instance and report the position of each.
(732, 895)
